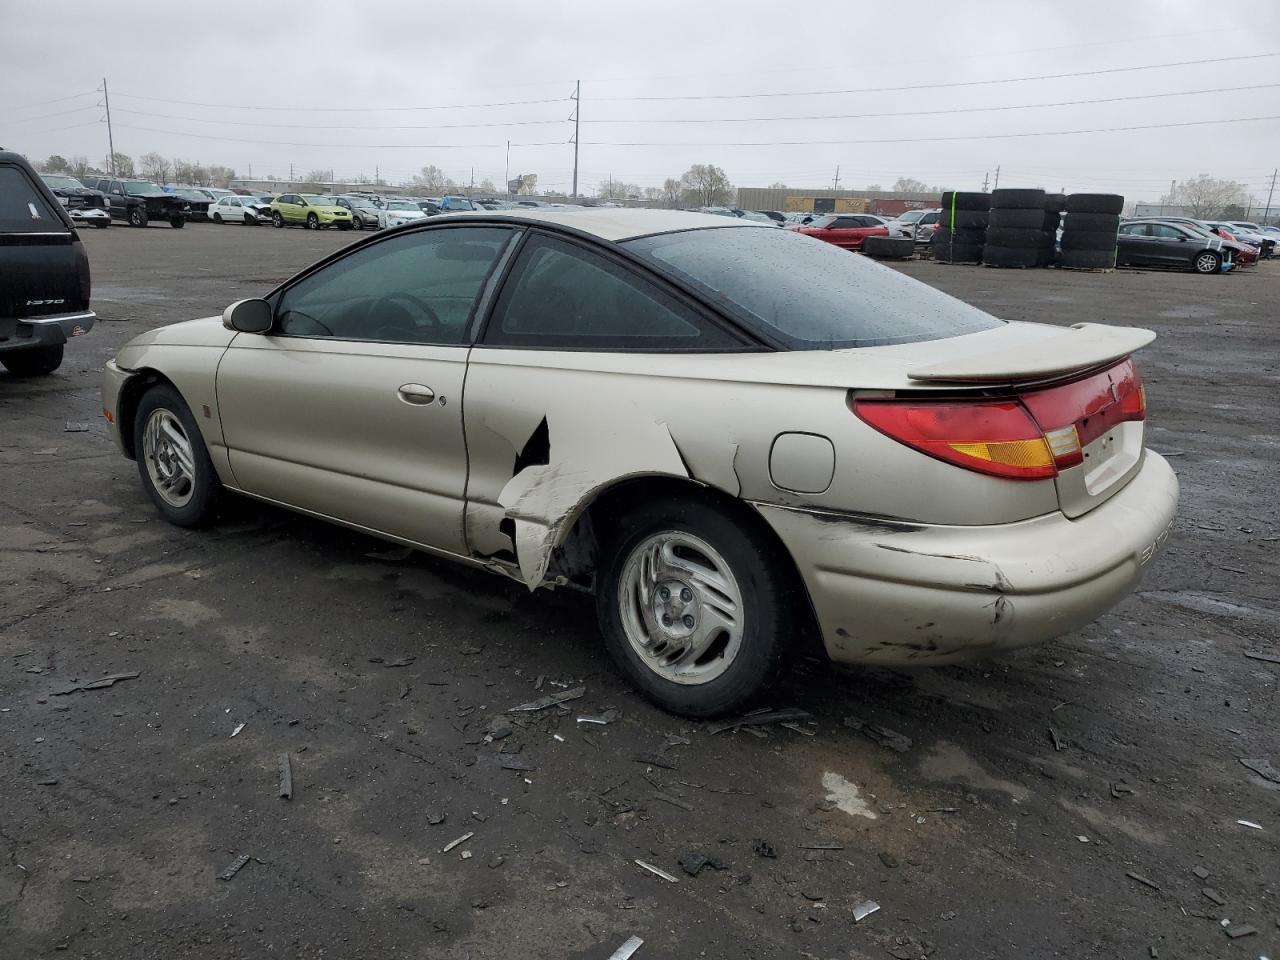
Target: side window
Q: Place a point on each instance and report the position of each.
(22, 206)
(414, 288)
(562, 296)
(843, 223)
(929, 218)
(1164, 232)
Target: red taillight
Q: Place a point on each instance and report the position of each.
(1028, 437)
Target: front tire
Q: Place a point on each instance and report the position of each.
(177, 222)
(313, 222)
(250, 221)
(32, 362)
(217, 218)
(692, 609)
(173, 461)
(1207, 262)
(102, 224)
(137, 217)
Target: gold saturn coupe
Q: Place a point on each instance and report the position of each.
(735, 437)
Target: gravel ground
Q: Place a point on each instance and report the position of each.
(1055, 803)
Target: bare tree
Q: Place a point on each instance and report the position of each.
(317, 176)
(221, 176)
(486, 186)
(79, 166)
(123, 164)
(155, 167)
(706, 185)
(653, 194)
(777, 185)
(55, 164)
(874, 188)
(616, 190)
(1206, 196)
(910, 185)
(529, 185)
(432, 180)
(672, 193)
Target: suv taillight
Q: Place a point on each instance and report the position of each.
(1028, 437)
(82, 270)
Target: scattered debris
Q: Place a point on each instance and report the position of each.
(822, 846)
(764, 849)
(865, 909)
(465, 855)
(100, 684)
(1263, 768)
(1200, 872)
(888, 859)
(551, 700)
(1240, 930)
(496, 861)
(1119, 789)
(653, 760)
(629, 946)
(238, 727)
(657, 872)
(436, 817)
(405, 688)
(499, 728)
(1265, 657)
(758, 718)
(47, 782)
(397, 662)
(1213, 895)
(453, 843)
(286, 777)
(74, 426)
(1142, 880)
(792, 725)
(667, 798)
(236, 866)
(880, 734)
(692, 862)
(517, 764)
(1057, 741)
(1250, 824)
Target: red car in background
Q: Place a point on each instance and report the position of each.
(846, 230)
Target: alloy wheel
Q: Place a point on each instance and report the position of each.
(171, 465)
(681, 607)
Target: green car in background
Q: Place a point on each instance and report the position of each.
(309, 210)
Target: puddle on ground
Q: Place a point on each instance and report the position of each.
(845, 796)
(948, 762)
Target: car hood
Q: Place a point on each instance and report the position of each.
(76, 192)
(205, 332)
(326, 209)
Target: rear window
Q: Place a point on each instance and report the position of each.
(808, 294)
(22, 207)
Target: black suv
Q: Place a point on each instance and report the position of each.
(139, 201)
(44, 273)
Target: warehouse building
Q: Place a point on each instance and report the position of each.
(797, 200)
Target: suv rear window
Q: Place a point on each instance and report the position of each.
(808, 294)
(22, 207)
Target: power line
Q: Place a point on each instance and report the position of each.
(330, 126)
(365, 109)
(949, 110)
(331, 145)
(50, 116)
(990, 136)
(45, 103)
(937, 86)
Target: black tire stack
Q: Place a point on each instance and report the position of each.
(1054, 204)
(1015, 235)
(962, 229)
(889, 248)
(1089, 232)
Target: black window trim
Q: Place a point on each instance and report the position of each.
(276, 296)
(611, 253)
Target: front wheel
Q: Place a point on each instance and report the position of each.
(313, 222)
(173, 461)
(33, 361)
(276, 219)
(177, 222)
(137, 217)
(250, 221)
(691, 608)
(217, 218)
(102, 224)
(1208, 262)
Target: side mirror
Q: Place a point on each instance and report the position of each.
(248, 316)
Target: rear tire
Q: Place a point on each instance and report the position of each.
(746, 602)
(177, 222)
(173, 461)
(33, 361)
(217, 218)
(102, 224)
(277, 220)
(313, 222)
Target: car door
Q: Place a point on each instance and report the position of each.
(288, 207)
(350, 407)
(1133, 245)
(845, 232)
(570, 321)
(1170, 246)
(116, 198)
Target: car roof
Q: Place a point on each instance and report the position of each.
(615, 224)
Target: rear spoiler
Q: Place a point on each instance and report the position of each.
(1080, 347)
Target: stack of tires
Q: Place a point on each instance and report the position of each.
(1015, 234)
(889, 248)
(962, 229)
(1054, 204)
(1089, 232)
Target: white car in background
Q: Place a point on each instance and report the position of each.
(396, 212)
(917, 225)
(236, 209)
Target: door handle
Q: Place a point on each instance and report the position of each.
(416, 394)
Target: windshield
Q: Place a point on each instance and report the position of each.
(911, 216)
(806, 293)
(459, 203)
(319, 200)
(402, 205)
(136, 187)
(820, 222)
(360, 202)
(63, 183)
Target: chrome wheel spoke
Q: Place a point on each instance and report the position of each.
(169, 458)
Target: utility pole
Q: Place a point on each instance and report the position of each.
(506, 178)
(1269, 193)
(291, 171)
(472, 189)
(835, 184)
(577, 119)
(111, 140)
(997, 184)
(985, 178)
(377, 175)
(1172, 184)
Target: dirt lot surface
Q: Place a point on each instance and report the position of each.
(1056, 803)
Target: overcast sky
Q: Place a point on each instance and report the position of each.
(263, 85)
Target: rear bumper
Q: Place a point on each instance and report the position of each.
(890, 592)
(28, 332)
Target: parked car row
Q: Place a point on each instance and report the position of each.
(1201, 245)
